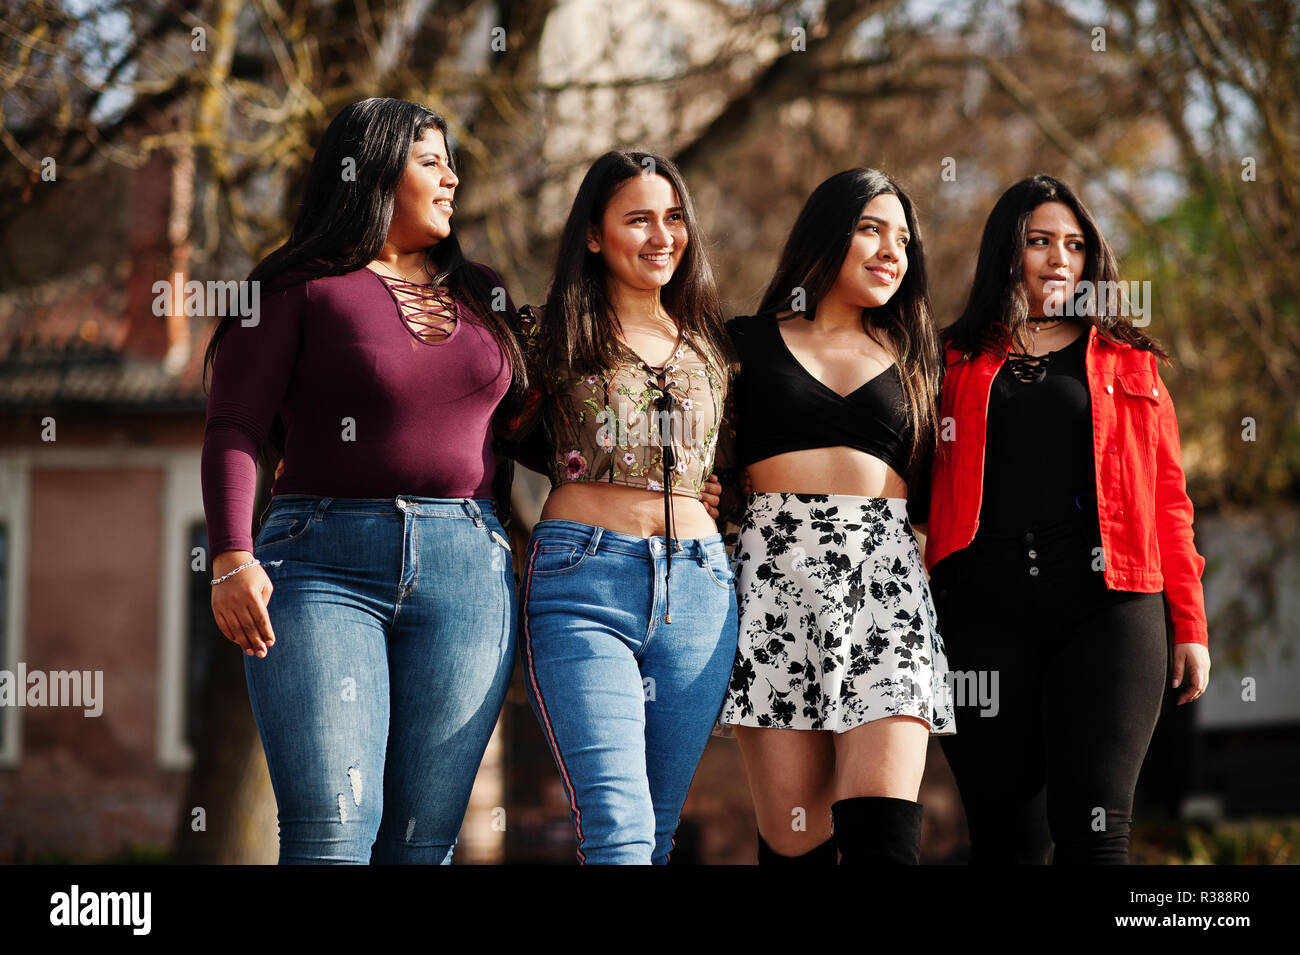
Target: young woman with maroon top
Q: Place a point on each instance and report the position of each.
(1059, 514)
(378, 617)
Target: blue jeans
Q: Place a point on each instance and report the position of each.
(626, 700)
(394, 621)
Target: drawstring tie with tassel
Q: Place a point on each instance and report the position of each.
(664, 405)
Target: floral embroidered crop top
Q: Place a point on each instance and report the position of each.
(610, 427)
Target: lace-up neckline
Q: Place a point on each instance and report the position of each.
(1032, 369)
(427, 311)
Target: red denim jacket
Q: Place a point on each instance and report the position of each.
(1142, 503)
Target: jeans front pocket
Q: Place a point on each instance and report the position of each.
(719, 567)
(552, 558)
(284, 529)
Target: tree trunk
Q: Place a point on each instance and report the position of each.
(229, 781)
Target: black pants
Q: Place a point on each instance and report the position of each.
(1072, 678)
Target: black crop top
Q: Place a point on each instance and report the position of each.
(781, 407)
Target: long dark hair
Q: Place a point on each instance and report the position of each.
(580, 328)
(811, 262)
(343, 221)
(996, 316)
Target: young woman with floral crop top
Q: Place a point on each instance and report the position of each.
(629, 612)
(840, 673)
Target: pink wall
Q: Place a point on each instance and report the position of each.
(88, 786)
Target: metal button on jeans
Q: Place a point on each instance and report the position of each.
(1033, 571)
(1033, 554)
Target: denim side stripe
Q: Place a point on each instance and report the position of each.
(541, 707)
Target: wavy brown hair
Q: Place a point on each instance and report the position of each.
(580, 331)
(996, 316)
(342, 223)
(811, 261)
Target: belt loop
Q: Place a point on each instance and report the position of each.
(321, 508)
(592, 544)
(474, 511)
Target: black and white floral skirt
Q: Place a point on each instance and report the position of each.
(837, 627)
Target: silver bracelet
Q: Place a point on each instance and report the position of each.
(252, 563)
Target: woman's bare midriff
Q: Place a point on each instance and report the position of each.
(627, 510)
(837, 470)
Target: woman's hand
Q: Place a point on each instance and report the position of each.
(711, 492)
(746, 485)
(711, 495)
(1194, 660)
(239, 603)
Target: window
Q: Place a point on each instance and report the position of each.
(185, 624)
(202, 636)
(15, 479)
(4, 630)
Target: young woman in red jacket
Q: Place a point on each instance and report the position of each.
(1058, 516)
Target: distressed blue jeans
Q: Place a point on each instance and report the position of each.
(395, 623)
(626, 700)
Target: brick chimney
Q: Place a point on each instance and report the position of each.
(159, 200)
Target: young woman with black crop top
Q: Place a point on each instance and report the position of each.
(1059, 515)
(629, 613)
(840, 672)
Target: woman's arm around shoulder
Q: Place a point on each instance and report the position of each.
(521, 432)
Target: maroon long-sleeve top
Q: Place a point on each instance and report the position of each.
(369, 408)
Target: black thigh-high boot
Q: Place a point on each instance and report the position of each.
(877, 830)
(823, 854)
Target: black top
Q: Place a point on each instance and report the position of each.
(780, 407)
(1038, 460)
